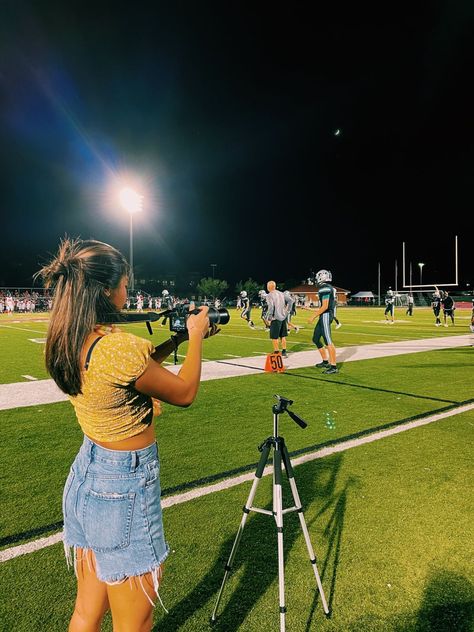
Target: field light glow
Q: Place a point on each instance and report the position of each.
(130, 200)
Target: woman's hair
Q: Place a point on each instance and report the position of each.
(79, 275)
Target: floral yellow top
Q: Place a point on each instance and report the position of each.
(109, 407)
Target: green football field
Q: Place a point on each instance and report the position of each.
(390, 517)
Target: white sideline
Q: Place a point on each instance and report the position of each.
(21, 394)
(36, 545)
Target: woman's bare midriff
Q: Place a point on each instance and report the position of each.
(142, 440)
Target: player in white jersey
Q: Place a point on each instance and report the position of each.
(291, 304)
(338, 324)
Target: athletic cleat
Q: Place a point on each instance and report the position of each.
(297, 330)
(445, 324)
(284, 353)
(322, 365)
(331, 370)
(338, 325)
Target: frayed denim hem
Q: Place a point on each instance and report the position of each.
(71, 560)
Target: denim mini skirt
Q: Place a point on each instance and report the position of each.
(112, 506)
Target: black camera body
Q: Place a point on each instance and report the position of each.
(179, 315)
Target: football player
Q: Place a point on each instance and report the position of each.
(246, 309)
(291, 303)
(436, 306)
(389, 307)
(166, 303)
(448, 307)
(338, 324)
(262, 297)
(325, 311)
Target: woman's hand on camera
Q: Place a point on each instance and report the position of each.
(198, 323)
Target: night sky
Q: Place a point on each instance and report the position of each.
(226, 117)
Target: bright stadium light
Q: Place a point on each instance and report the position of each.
(132, 202)
(421, 272)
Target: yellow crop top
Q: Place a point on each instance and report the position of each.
(109, 407)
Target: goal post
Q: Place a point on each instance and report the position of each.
(411, 286)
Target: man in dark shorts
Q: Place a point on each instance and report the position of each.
(448, 308)
(322, 330)
(276, 318)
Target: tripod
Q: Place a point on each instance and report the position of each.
(280, 456)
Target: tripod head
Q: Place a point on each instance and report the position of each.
(282, 407)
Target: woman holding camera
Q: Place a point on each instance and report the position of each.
(111, 502)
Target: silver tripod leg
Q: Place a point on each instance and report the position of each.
(246, 510)
(299, 509)
(278, 512)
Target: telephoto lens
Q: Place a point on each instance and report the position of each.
(218, 316)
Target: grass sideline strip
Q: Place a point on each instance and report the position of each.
(8, 554)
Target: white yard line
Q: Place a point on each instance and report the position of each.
(30, 377)
(178, 499)
(20, 394)
(35, 331)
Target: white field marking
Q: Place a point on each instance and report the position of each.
(231, 355)
(35, 331)
(40, 341)
(20, 394)
(307, 344)
(29, 377)
(178, 499)
(253, 338)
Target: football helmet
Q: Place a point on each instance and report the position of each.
(262, 293)
(165, 293)
(323, 276)
(243, 294)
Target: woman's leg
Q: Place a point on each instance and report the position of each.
(132, 603)
(91, 601)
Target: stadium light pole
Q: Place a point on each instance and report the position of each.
(421, 272)
(132, 202)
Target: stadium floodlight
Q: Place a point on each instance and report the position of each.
(132, 202)
(420, 265)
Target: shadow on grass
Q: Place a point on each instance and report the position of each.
(344, 355)
(336, 506)
(447, 606)
(256, 561)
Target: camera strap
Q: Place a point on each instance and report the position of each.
(174, 340)
(89, 353)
